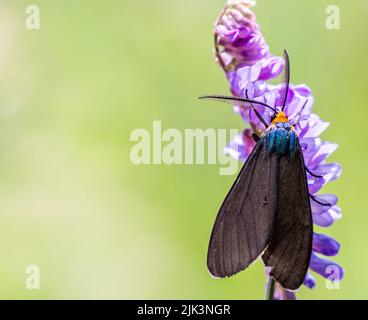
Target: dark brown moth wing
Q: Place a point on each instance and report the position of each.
(245, 220)
(290, 248)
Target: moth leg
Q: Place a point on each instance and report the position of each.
(319, 202)
(255, 137)
(312, 174)
(260, 118)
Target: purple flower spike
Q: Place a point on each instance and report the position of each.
(244, 55)
(240, 42)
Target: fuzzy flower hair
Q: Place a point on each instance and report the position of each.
(244, 55)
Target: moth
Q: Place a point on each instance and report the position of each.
(267, 211)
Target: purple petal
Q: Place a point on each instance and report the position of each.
(309, 281)
(325, 245)
(271, 68)
(241, 146)
(315, 184)
(280, 98)
(329, 171)
(321, 175)
(248, 74)
(324, 151)
(316, 151)
(316, 127)
(294, 109)
(226, 58)
(335, 212)
(323, 203)
(303, 90)
(253, 90)
(324, 216)
(309, 146)
(270, 95)
(308, 106)
(305, 111)
(283, 294)
(323, 219)
(326, 268)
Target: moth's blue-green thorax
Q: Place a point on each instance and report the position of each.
(281, 137)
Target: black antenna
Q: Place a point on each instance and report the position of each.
(236, 99)
(287, 77)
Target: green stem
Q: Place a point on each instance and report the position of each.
(270, 289)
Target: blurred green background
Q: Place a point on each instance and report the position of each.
(72, 203)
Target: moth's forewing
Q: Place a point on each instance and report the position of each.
(290, 248)
(245, 220)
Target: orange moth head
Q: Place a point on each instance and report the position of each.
(280, 117)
